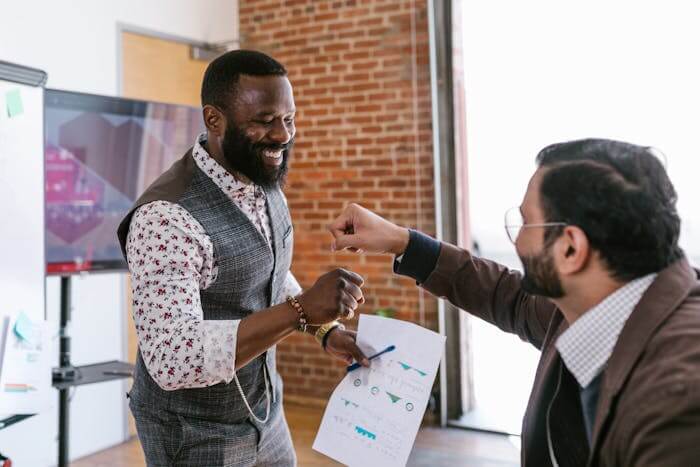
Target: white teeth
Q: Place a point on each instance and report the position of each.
(273, 154)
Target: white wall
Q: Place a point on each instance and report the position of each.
(75, 41)
(546, 71)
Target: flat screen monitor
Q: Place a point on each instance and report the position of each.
(100, 154)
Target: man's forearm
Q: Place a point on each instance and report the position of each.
(263, 329)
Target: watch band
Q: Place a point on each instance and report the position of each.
(321, 334)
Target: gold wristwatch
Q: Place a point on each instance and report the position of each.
(325, 329)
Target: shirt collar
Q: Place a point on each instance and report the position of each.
(219, 175)
(587, 344)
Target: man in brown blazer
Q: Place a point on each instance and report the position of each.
(606, 295)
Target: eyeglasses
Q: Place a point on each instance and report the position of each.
(514, 223)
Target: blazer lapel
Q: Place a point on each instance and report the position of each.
(670, 288)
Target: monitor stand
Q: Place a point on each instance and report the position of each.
(67, 376)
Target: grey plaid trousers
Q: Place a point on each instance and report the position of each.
(169, 439)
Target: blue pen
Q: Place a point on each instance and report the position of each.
(355, 366)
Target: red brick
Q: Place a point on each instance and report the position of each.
(338, 46)
(364, 135)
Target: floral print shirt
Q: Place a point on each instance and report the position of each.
(171, 258)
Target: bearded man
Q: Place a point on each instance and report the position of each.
(606, 294)
(209, 248)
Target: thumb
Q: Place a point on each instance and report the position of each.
(358, 355)
(342, 225)
(347, 241)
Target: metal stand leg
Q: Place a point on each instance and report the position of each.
(66, 376)
(63, 414)
(65, 372)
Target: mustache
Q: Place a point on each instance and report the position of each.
(274, 147)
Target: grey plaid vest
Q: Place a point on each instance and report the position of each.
(250, 278)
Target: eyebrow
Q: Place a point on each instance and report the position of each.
(265, 113)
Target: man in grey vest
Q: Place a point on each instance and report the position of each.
(209, 247)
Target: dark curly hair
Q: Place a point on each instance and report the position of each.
(620, 195)
(222, 74)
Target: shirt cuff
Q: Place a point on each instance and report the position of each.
(420, 257)
(219, 349)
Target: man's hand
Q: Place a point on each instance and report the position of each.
(336, 294)
(342, 344)
(359, 229)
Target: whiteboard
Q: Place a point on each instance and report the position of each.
(22, 262)
(22, 201)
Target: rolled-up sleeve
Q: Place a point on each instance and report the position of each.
(291, 286)
(170, 258)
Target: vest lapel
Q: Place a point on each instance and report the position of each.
(281, 236)
(534, 433)
(567, 428)
(281, 229)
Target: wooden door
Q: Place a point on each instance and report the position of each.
(161, 70)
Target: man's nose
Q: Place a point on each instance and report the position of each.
(279, 133)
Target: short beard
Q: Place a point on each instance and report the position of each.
(540, 275)
(245, 158)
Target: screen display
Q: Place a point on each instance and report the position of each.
(101, 153)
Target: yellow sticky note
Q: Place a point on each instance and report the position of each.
(13, 101)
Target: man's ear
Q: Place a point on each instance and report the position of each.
(573, 250)
(214, 120)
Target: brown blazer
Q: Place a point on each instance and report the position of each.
(649, 404)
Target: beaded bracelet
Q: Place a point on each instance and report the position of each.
(294, 303)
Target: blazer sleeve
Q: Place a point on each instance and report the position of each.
(481, 287)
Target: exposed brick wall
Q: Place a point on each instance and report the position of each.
(361, 77)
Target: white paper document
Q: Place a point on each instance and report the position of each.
(25, 381)
(374, 414)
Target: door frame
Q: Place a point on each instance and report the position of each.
(446, 220)
(152, 33)
(125, 293)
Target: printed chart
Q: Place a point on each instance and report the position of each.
(374, 414)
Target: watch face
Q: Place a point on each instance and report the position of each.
(324, 329)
